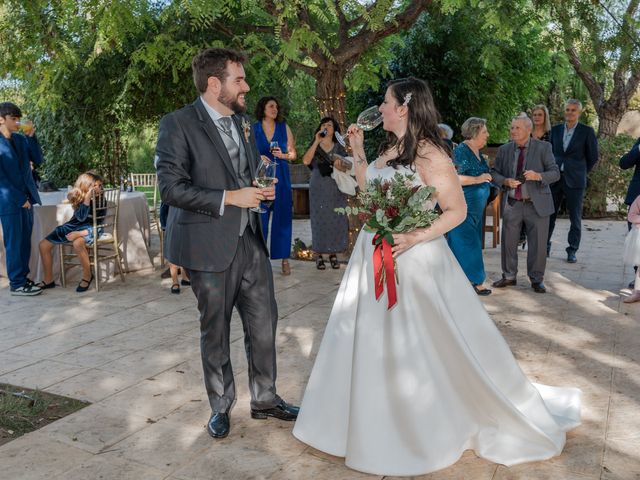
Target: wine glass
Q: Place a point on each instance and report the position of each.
(25, 125)
(265, 176)
(367, 120)
(273, 146)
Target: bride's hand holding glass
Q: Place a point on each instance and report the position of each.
(356, 136)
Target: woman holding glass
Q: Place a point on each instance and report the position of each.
(275, 141)
(465, 240)
(329, 231)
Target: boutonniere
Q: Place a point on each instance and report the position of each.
(246, 128)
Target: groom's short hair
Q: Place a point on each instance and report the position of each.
(212, 62)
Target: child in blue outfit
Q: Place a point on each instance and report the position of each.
(18, 194)
(78, 230)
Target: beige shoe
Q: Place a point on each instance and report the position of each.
(634, 297)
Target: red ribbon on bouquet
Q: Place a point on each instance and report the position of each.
(383, 270)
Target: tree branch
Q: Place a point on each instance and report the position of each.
(595, 89)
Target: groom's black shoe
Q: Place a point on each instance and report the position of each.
(282, 411)
(504, 282)
(218, 426)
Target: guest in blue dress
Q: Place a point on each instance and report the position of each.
(465, 240)
(77, 231)
(275, 140)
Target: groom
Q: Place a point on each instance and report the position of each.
(206, 159)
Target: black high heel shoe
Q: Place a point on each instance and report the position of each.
(334, 262)
(320, 263)
(80, 288)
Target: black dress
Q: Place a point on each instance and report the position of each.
(329, 230)
(82, 220)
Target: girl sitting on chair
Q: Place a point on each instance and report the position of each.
(77, 231)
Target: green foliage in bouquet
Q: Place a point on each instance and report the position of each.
(393, 206)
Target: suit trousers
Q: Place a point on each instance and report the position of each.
(574, 198)
(515, 215)
(16, 229)
(246, 285)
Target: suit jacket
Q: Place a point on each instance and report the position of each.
(194, 169)
(581, 154)
(16, 180)
(628, 160)
(539, 158)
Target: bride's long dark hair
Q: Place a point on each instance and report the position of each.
(422, 124)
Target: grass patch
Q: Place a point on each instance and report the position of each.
(23, 410)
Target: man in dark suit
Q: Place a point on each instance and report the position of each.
(629, 160)
(206, 159)
(525, 168)
(18, 193)
(575, 148)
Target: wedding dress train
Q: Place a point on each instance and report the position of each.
(405, 391)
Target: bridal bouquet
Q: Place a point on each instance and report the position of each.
(387, 207)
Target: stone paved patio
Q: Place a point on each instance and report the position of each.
(133, 351)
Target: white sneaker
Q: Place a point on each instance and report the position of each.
(27, 290)
(634, 297)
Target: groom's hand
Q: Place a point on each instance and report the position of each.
(248, 197)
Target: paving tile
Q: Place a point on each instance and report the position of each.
(95, 428)
(109, 466)
(41, 374)
(93, 385)
(35, 456)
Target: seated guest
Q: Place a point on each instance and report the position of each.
(329, 231)
(465, 240)
(525, 168)
(78, 230)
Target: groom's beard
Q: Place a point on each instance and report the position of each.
(231, 103)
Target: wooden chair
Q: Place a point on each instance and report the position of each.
(492, 210)
(148, 183)
(105, 246)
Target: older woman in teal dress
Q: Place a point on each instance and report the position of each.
(465, 240)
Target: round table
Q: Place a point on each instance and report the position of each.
(133, 232)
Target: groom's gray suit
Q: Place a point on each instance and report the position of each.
(533, 210)
(221, 247)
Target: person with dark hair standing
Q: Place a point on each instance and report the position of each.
(18, 194)
(403, 390)
(206, 160)
(275, 141)
(575, 148)
(329, 231)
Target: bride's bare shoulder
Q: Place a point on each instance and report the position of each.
(432, 159)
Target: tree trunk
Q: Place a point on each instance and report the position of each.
(608, 120)
(330, 92)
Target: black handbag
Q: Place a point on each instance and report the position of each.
(325, 167)
(494, 191)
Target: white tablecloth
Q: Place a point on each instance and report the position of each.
(133, 232)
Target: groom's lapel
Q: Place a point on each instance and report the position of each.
(213, 134)
(248, 148)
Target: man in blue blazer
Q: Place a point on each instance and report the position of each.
(18, 193)
(629, 160)
(575, 148)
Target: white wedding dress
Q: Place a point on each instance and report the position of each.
(405, 391)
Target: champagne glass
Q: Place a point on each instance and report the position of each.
(367, 120)
(265, 177)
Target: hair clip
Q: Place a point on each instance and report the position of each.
(407, 99)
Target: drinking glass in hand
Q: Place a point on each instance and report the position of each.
(367, 120)
(273, 146)
(265, 177)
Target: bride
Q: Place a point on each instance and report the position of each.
(405, 391)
